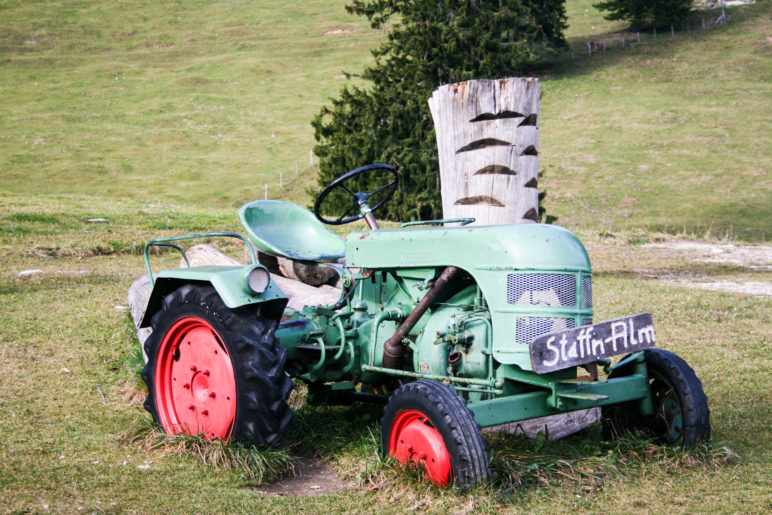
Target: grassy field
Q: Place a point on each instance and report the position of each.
(163, 117)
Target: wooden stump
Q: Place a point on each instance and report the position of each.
(487, 138)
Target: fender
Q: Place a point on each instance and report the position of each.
(226, 281)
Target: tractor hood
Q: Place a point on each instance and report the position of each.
(494, 255)
(494, 247)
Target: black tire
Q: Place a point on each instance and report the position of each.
(252, 357)
(447, 413)
(681, 415)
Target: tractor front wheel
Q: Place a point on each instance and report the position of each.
(427, 425)
(216, 371)
(681, 416)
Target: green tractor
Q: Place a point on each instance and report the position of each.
(451, 327)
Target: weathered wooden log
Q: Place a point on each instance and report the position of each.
(313, 275)
(139, 294)
(299, 294)
(203, 255)
(487, 138)
(554, 427)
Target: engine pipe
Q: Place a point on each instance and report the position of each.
(393, 349)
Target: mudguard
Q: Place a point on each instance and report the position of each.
(226, 280)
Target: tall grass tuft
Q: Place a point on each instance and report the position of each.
(589, 465)
(260, 466)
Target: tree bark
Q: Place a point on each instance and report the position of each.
(487, 139)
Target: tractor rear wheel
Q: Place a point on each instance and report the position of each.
(427, 425)
(681, 416)
(216, 371)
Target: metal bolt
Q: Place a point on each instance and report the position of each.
(193, 368)
(192, 408)
(212, 395)
(205, 412)
(186, 385)
(206, 372)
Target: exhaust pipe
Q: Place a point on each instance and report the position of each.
(393, 349)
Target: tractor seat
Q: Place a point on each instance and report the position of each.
(290, 231)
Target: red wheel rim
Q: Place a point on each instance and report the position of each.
(195, 388)
(414, 441)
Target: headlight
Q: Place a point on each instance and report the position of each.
(256, 279)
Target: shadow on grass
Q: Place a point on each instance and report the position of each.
(610, 49)
(347, 438)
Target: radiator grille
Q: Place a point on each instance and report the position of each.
(587, 292)
(529, 328)
(544, 289)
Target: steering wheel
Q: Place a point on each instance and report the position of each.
(359, 199)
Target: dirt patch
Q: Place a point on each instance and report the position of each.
(312, 477)
(747, 287)
(338, 32)
(752, 257)
(755, 257)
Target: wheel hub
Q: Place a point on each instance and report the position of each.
(416, 443)
(194, 380)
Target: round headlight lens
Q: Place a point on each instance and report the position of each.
(258, 279)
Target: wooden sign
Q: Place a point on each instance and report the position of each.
(589, 343)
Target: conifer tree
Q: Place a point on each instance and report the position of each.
(430, 43)
(646, 14)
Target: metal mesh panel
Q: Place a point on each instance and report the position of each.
(587, 292)
(544, 289)
(529, 328)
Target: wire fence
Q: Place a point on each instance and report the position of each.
(702, 20)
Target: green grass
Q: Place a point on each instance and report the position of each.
(163, 117)
(667, 136)
(137, 99)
